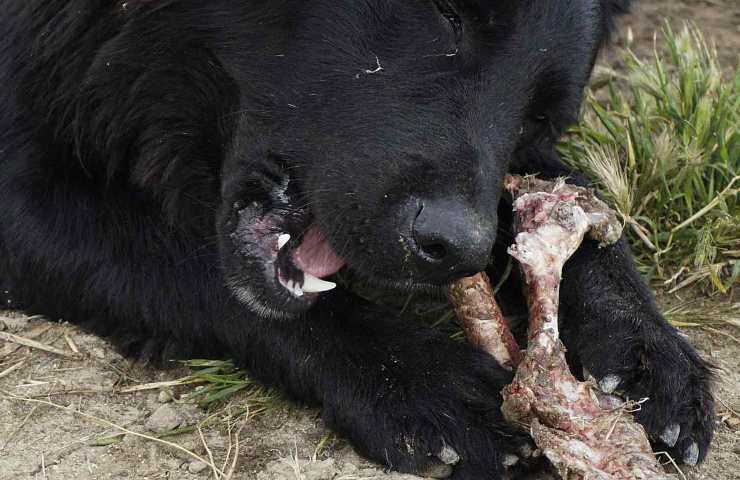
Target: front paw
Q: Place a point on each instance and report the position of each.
(653, 361)
(432, 408)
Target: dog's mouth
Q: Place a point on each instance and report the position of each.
(285, 244)
(302, 264)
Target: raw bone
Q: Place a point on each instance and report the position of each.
(580, 430)
(481, 318)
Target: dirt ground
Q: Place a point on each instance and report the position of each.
(62, 442)
(718, 19)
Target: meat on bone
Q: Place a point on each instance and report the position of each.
(586, 434)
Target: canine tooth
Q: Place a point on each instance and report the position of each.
(282, 240)
(313, 284)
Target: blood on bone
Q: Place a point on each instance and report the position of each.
(577, 427)
(482, 319)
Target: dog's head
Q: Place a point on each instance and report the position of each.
(379, 132)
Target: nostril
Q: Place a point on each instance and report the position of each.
(431, 247)
(434, 251)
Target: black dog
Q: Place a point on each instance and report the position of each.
(181, 174)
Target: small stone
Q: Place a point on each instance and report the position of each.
(196, 466)
(128, 415)
(97, 352)
(14, 323)
(321, 470)
(189, 442)
(173, 463)
(190, 413)
(164, 419)
(165, 396)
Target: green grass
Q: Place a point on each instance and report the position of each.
(220, 380)
(661, 141)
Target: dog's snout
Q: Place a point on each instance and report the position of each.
(451, 239)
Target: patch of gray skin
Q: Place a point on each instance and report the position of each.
(255, 236)
(252, 229)
(258, 236)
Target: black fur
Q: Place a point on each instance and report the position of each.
(141, 141)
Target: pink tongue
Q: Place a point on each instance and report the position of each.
(315, 255)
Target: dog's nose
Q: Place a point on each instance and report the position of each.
(452, 240)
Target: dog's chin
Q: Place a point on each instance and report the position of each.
(273, 300)
(270, 302)
(392, 283)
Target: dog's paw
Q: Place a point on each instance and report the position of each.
(657, 367)
(433, 410)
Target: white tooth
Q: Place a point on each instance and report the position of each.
(291, 286)
(295, 289)
(283, 239)
(313, 284)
